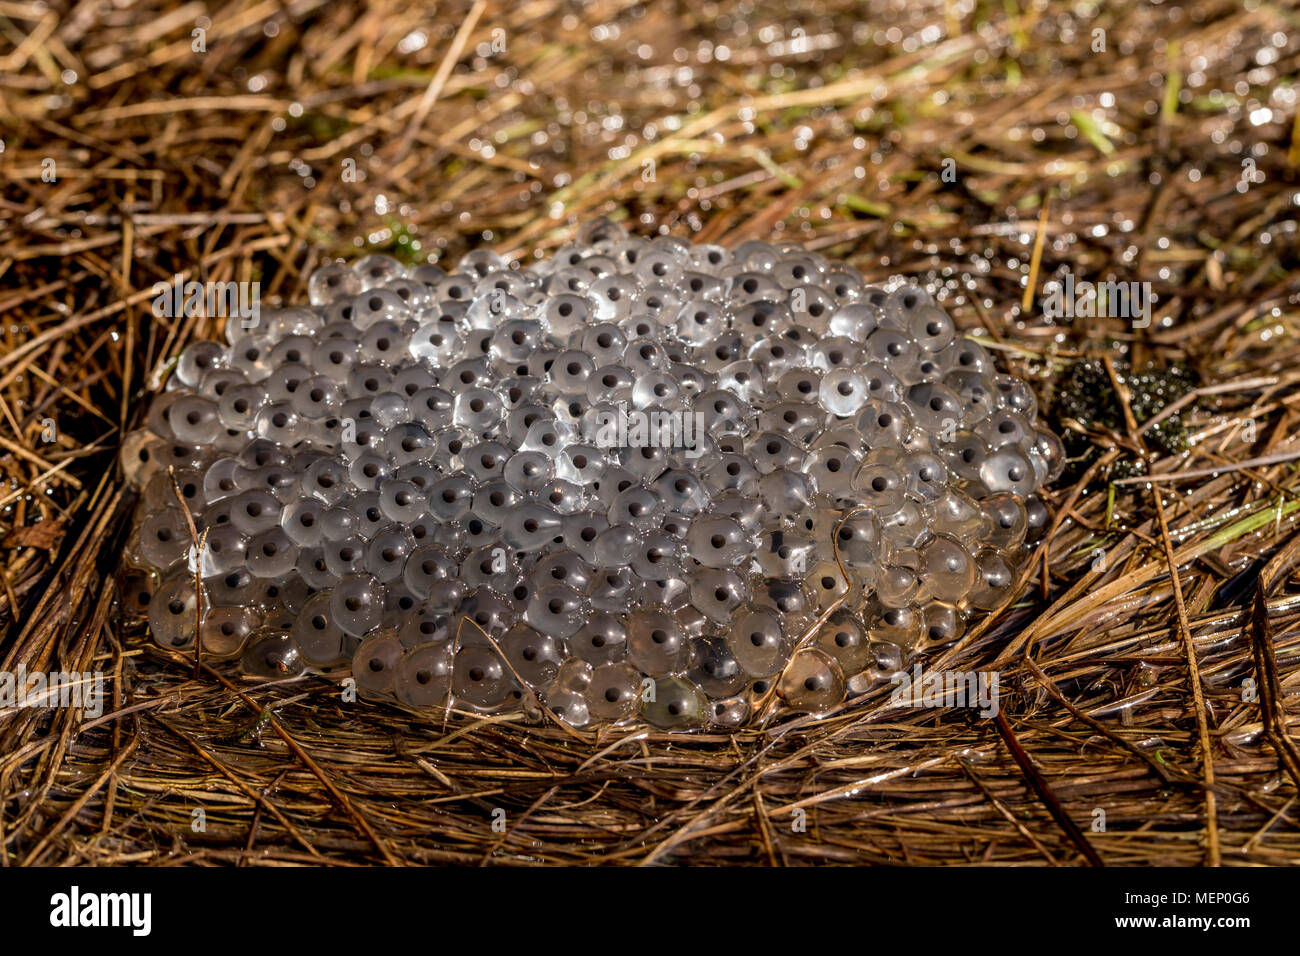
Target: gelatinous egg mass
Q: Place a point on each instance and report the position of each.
(639, 480)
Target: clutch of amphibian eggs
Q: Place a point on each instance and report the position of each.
(639, 480)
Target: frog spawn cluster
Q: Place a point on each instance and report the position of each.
(621, 482)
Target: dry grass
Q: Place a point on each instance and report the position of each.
(227, 165)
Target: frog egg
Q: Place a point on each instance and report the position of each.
(490, 567)
(195, 420)
(534, 656)
(564, 314)
(279, 480)
(844, 639)
(430, 407)
(403, 502)
(163, 538)
(423, 676)
(278, 422)
(254, 511)
(770, 451)
(1050, 447)
(974, 389)
(931, 327)
(387, 552)
(224, 550)
(285, 377)
(785, 553)
(612, 588)
(943, 622)
(1007, 521)
(356, 603)
(332, 281)
(955, 513)
(250, 355)
(141, 457)
(430, 622)
(300, 519)
(925, 476)
(418, 460)
(671, 592)
(658, 556)
(968, 356)
(398, 602)
(884, 424)
(906, 527)
(1037, 518)
(715, 670)
(935, 407)
(833, 353)
(947, 568)
(345, 555)
(320, 641)
(602, 639)
(897, 585)
(326, 480)
(481, 679)
(491, 501)
(374, 270)
(316, 397)
(375, 662)
(716, 592)
(894, 349)
(647, 461)
(556, 609)
(881, 487)
(378, 306)
(271, 554)
(831, 470)
(995, 576)
(1008, 469)
(674, 704)
(756, 255)
(789, 598)
(614, 692)
(563, 497)
(526, 472)
(718, 542)
(785, 493)
(172, 616)
(655, 643)
(312, 568)
(446, 596)
(1005, 427)
(827, 583)
(888, 657)
(367, 516)
(226, 628)
(478, 409)
(613, 546)
(757, 641)
(484, 613)
(812, 682)
(681, 491)
(198, 360)
(296, 320)
(569, 706)
(730, 713)
(271, 654)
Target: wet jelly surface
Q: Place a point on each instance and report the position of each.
(638, 480)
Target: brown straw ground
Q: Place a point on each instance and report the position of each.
(1145, 716)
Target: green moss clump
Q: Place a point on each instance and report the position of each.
(1087, 396)
(401, 243)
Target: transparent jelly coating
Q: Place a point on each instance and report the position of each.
(637, 481)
